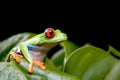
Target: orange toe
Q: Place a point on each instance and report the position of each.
(40, 64)
(16, 57)
(43, 67)
(30, 69)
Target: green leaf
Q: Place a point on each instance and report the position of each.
(69, 47)
(114, 51)
(58, 57)
(49, 63)
(16, 71)
(89, 63)
(114, 73)
(8, 71)
(8, 44)
(61, 55)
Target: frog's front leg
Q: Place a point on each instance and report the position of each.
(15, 56)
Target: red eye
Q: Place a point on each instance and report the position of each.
(50, 33)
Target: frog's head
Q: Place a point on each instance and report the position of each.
(53, 36)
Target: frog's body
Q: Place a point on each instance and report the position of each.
(38, 52)
(36, 48)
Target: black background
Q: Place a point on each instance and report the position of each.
(98, 28)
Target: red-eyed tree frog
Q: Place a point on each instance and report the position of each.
(35, 49)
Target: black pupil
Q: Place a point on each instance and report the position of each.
(51, 32)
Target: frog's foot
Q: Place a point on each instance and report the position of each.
(16, 57)
(40, 64)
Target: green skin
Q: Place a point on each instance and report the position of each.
(45, 44)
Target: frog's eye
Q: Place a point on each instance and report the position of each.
(50, 32)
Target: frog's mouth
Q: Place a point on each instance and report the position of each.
(57, 40)
(60, 40)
